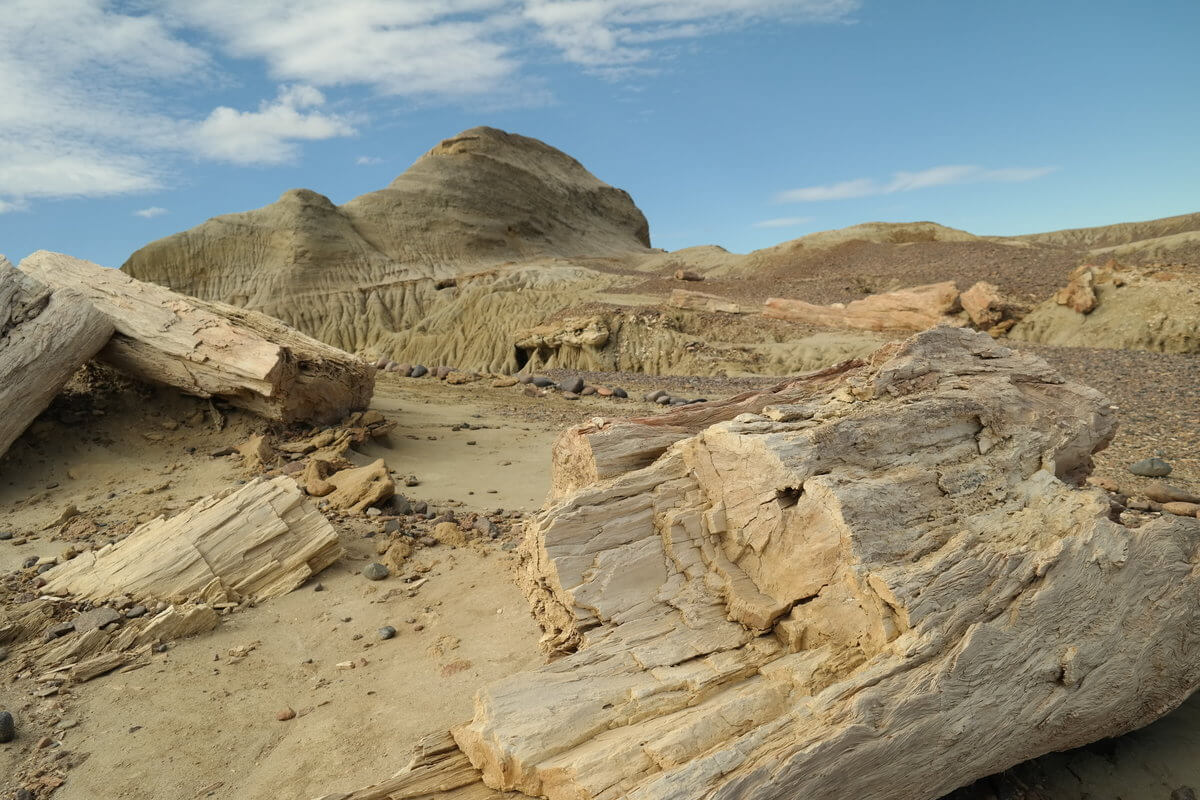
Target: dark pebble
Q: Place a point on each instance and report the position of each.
(44, 568)
(5, 535)
(663, 400)
(1151, 468)
(161, 647)
(387, 632)
(619, 392)
(420, 508)
(375, 571)
(29, 562)
(541, 382)
(418, 371)
(574, 385)
(400, 505)
(135, 612)
(8, 727)
(651, 397)
(60, 629)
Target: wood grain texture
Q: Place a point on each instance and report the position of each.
(211, 349)
(45, 335)
(260, 541)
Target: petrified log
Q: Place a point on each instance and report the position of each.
(260, 541)
(702, 301)
(212, 349)
(45, 336)
(885, 591)
(983, 304)
(914, 309)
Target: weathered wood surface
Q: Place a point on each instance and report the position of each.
(702, 301)
(45, 335)
(884, 591)
(211, 349)
(262, 540)
(914, 309)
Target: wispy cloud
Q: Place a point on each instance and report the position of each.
(366, 161)
(783, 222)
(102, 98)
(908, 181)
(150, 213)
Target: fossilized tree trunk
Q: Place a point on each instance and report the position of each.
(212, 349)
(914, 309)
(883, 591)
(260, 541)
(44, 337)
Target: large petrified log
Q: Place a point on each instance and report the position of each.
(886, 591)
(212, 349)
(914, 309)
(44, 337)
(262, 540)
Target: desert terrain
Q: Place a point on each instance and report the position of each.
(481, 330)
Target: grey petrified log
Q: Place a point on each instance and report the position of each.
(45, 335)
(212, 349)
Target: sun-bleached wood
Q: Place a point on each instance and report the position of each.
(45, 335)
(914, 309)
(211, 349)
(262, 540)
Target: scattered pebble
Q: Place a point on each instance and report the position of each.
(387, 632)
(1151, 468)
(285, 714)
(8, 727)
(375, 571)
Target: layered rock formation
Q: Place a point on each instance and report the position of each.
(1112, 306)
(416, 270)
(885, 584)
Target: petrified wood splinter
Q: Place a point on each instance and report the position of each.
(886, 587)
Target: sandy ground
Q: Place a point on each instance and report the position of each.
(198, 722)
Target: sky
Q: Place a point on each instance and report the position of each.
(741, 123)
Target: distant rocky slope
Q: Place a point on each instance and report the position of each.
(498, 252)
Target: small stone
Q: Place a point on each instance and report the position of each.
(1184, 793)
(29, 562)
(5, 536)
(524, 378)
(375, 571)
(486, 527)
(374, 512)
(1182, 509)
(161, 647)
(619, 392)
(135, 612)
(420, 507)
(96, 618)
(1166, 493)
(404, 370)
(8, 727)
(319, 587)
(572, 385)
(651, 397)
(541, 382)
(3, 653)
(387, 632)
(570, 396)
(44, 568)
(418, 371)
(1151, 468)
(588, 391)
(401, 505)
(411, 480)
(285, 714)
(472, 442)
(663, 400)
(24, 794)
(603, 391)
(61, 629)
(428, 541)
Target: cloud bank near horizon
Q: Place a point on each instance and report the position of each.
(910, 181)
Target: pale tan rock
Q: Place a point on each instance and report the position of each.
(314, 477)
(914, 309)
(448, 533)
(1181, 509)
(702, 301)
(457, 377)
(396, 554)
(212, 349)
(356, 489)
(1166, 493)
(257, 453)
(884, 592)
(45, 335)
(688, 275)
(983, 304)
(260, 541)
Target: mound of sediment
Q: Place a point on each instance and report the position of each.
(1122, 308)
(374, 273)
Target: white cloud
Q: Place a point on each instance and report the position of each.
(104, 97)
(608, 33)
(783, 222)
(150, 213)
(908, 181)
(364, 161)
(269, 135)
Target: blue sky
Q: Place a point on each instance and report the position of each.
(734, 122)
